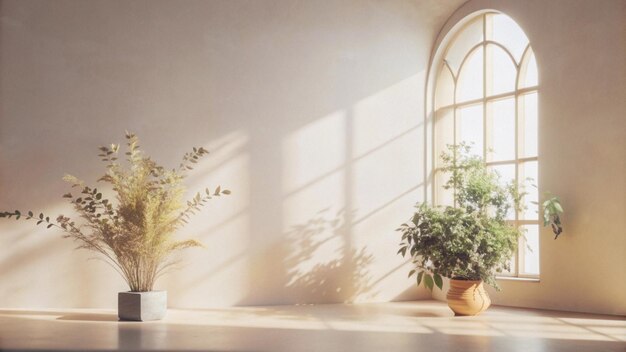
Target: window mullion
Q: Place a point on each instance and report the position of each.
(522, 241)
(484, 88)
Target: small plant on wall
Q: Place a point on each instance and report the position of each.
(135, 233)
(469, 242)
(552, 210)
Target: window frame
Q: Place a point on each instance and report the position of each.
(516, 94)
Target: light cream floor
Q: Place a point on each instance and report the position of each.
(410, 326)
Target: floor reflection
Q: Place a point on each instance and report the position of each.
(348, 327)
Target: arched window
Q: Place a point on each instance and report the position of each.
(486, 91)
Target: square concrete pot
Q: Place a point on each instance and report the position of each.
(142, 306)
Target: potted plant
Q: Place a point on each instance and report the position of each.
(552, 210)
(135, 232)
(469, 242)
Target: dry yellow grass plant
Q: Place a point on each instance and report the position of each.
(136, 232)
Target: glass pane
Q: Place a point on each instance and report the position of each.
(444, 130)
(445, 88)
(507, 175)
(470, 127)
(502, 29)
(444, 197)
(528, 179)
(501, 130)
(531, 249)
(528, 125)
(501, 71)
(470, 83)
(465, 40)
(528, 71)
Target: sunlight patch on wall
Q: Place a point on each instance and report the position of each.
(349, 179)
(387, 173)
(36, 254)
(313, 151)
(386, 180)
(216, 275)
(314, 234)
(321, 266)
(380, 118)
(325, 194)
(314, 188)
(376, 233)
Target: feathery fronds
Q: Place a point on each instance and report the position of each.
(135, 233)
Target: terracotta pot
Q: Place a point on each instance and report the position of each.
(466, 297)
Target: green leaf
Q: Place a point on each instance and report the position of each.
(419, 277)
(49, 226)
(402, 250)
(217, 191)
(558, 207)
(226, 191)
(411, 272)
(416, 218)
(438, 281)
(428, 281)
(30, 213)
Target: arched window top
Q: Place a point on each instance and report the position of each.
(489, 56)
(494, 28)
(486, 94)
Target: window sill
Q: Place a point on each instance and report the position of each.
(522, 279)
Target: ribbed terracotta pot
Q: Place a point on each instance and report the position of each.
(466, 297)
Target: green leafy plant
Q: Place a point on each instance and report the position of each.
(134, 233)
(470, 241)
(552, 210)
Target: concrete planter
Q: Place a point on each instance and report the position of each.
(142, 306)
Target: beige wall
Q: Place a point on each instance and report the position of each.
(581, 53)
(312, 110)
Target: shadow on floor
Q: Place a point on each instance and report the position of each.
(62, 315)
(89, 317)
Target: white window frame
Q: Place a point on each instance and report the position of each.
(516, 94)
